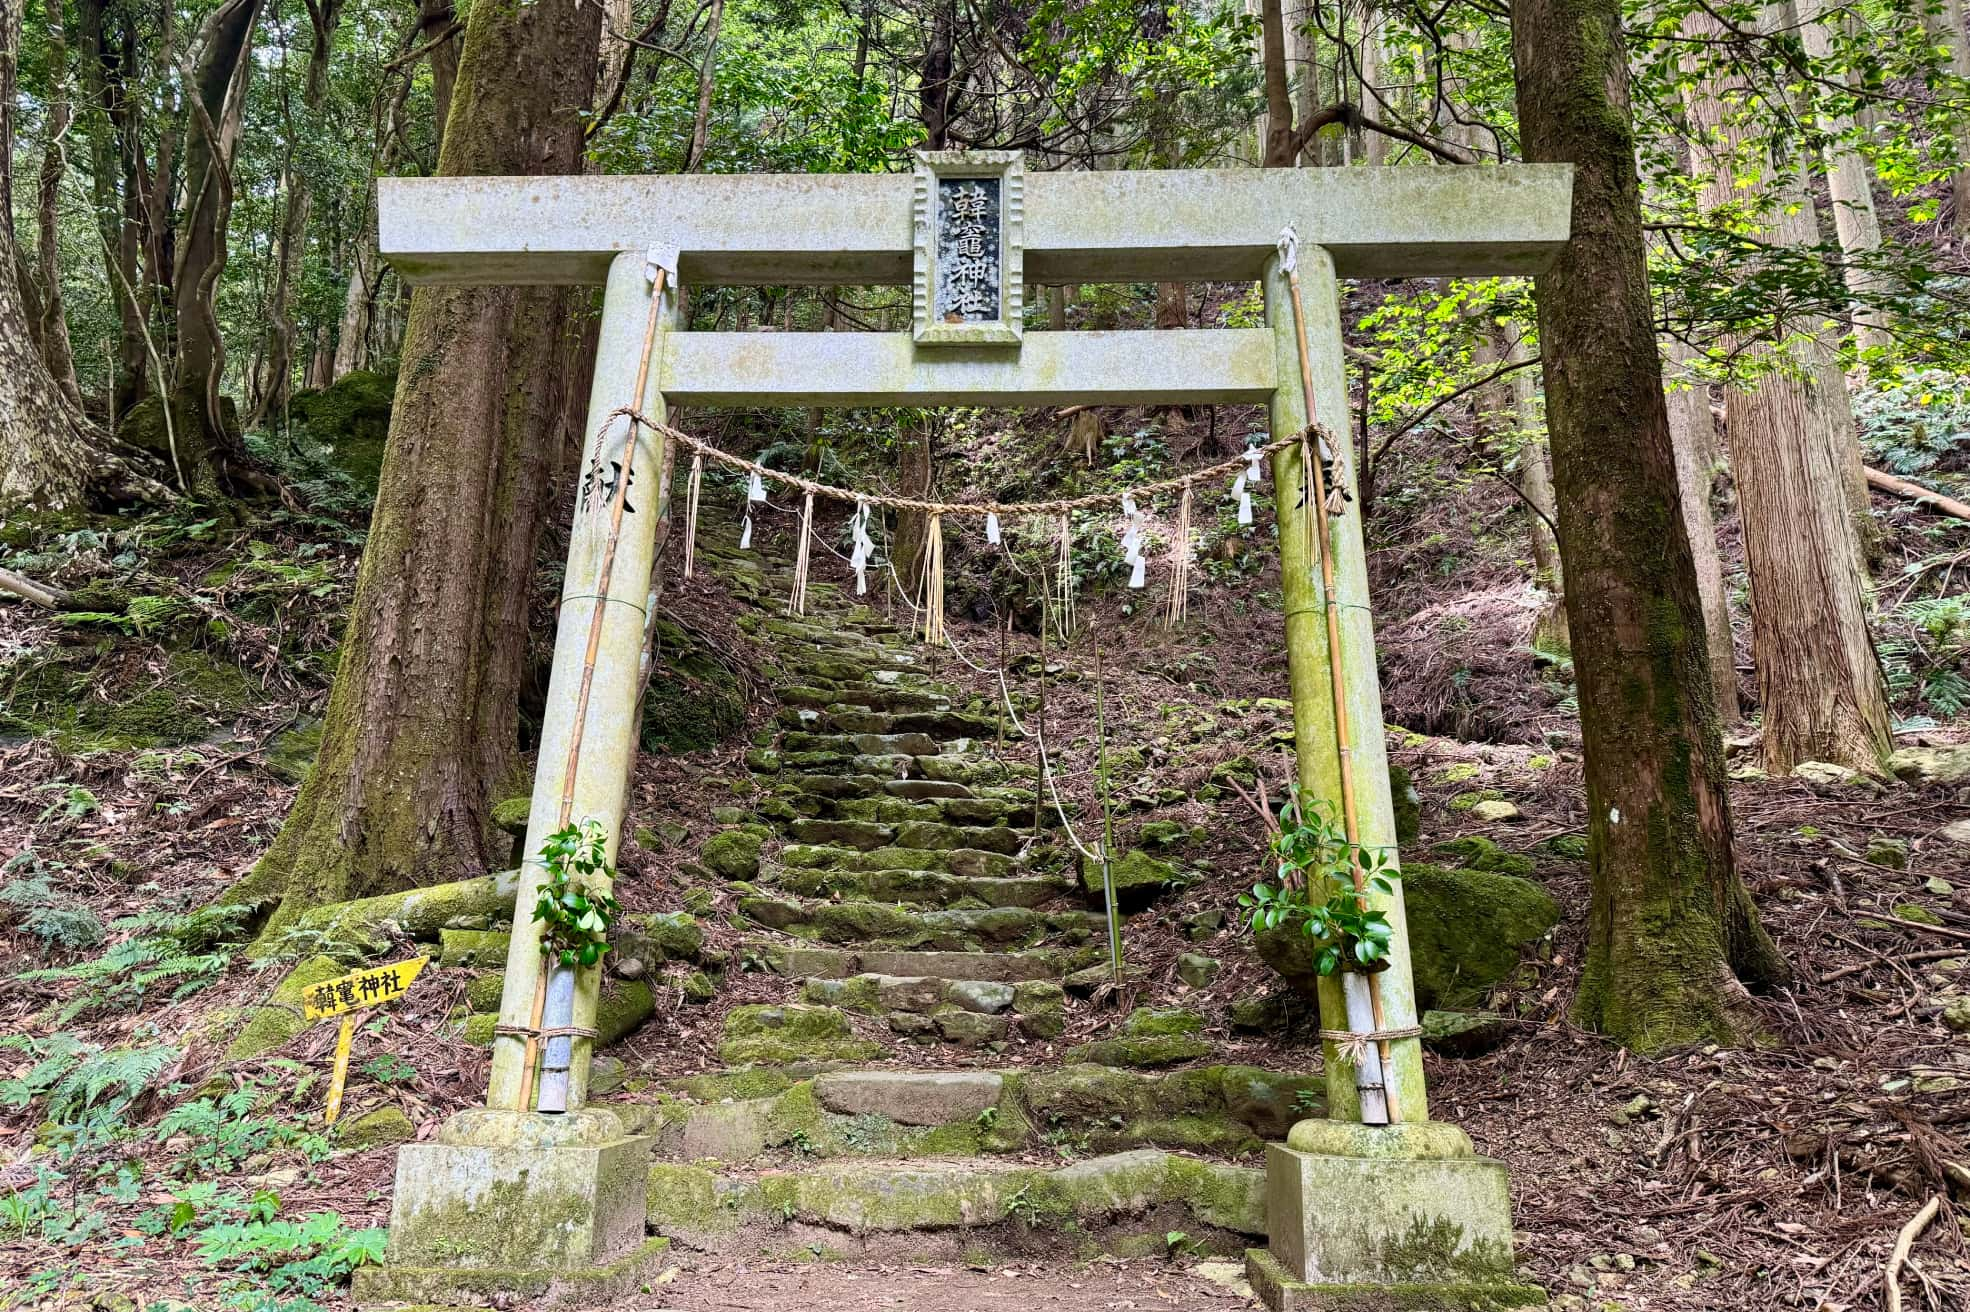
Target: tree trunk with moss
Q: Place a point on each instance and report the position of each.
(421, 733)
(1673, 936)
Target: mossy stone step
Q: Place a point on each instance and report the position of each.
(931, 888)
(967, 1012)
(968, 862)
(866, 744)
(949, 929)
(803, 961)
(1081, 1205)
(737, 1116)
(923, 790)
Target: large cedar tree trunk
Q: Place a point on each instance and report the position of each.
(421, 730)
(1801, 494)
(1672, 930)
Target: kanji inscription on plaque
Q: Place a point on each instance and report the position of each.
(968, 230)
(968, 221)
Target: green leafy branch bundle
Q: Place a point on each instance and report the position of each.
(1313, 887)
(573, 911)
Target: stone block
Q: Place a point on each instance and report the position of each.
(546, 1206)
(1387, 1205)
(910, 1097)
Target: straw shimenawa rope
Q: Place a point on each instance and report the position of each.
(1093, 501)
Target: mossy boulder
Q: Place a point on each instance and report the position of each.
(783, 1035)
(663, 936)
(695, 701)
(621, 1010)
(1475, 852)
(110, 704)
(350, 419)
(290, 757)
(732, 853)
(1467, 929)
(511, 815)
(377, 1129)
(278, 1019)
(1408, 804)
(1139, 879)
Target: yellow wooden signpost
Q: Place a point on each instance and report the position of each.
(345, 997)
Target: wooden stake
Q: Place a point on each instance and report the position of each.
(532, 1055)
(343, 1038)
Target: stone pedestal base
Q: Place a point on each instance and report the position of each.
(549, 1207)
(1375, 1216)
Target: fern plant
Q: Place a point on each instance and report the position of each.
(76, 1081)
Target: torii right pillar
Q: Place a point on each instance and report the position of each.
(1374, 1205)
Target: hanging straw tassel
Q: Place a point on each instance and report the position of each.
(797, 601)
(1180, 554)
(933, 581)
(691, 512)
(1065, 576)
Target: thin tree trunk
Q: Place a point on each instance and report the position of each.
(277, 371)
(52, 332)
(365, 264)
(1693, 433)
(1943, 20)
(707, 81)
(1798, 474)
(1850, 185)
(434, 19)
(213, 459)
(422, 724)
(1670, 918)
(110, 121)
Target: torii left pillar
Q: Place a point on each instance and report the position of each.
(507, 1199)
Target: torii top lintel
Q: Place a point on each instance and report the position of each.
(856, 229)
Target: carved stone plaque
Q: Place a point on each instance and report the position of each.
(968, 220)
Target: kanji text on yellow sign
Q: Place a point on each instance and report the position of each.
(364, 988)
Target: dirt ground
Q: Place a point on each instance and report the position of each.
(1056, 1287)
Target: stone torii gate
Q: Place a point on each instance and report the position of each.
(536, 1201)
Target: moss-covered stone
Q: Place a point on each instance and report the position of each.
(1408, 804)
(483, 993)
(1139, 879)
(473, 948)
(664, 936)
(1473, 852)
(1467, 929)
(782, 1035)
(377, 1129)
(621, 1009)
(290, 757)
(732, 853)
(374, 924)
(695, 701)
(350, 418)
(279, 1018)
(96, 705)
(511, 815)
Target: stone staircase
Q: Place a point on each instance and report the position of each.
(910, 1095)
